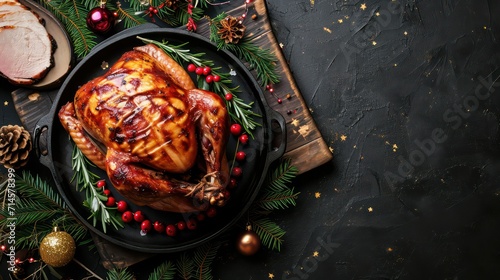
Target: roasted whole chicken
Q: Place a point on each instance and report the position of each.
(161, 141)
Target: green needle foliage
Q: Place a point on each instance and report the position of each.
(203, 258)
(119, 274)
(38, 209)
(185, 267)
(271, 235)
(165, 271)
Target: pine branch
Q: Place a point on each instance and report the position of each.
(278, 200)
(203, 258)
(129, 17)
(72, 14)
(269, 232)
(119, 274)
(278, 179)
(38, 210)
(185, 267)
(166, 271)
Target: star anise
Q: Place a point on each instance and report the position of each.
(231, 30)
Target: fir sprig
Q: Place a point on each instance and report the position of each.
(275, 194)
(165, 271)
(38, 209)
(72, 14)
(185, 267)
(129, 16)
(203, 258)
(85, 180)
(262, 60)
(239, 111)
(271, 235)
(119, 274)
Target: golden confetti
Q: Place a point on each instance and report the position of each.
(389, 249)
(331, 149)
(363, 6)
(394, 147)
(271, 276)
(281, 45)
(377, 14)
(405, 33)
(34, 96)
(315, 254)
(340, 20)
(312, 2)
(317, 195)
(370, 209)
(355, 147)
(374, 43)
(6, 103)
(343, 137)
(295, 122)
(327, 29)
(484, 27)
(395, 65)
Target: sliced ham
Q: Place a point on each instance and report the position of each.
(26, 48)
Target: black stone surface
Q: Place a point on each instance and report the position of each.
(406, 93)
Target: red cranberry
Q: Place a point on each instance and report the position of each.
(111, 201)
(121, 206)
(138, 216)
(127, 216)
(236, 129)
(146, 226)
(191, 67)
(243, 139)
(171, 230)
(158, 226)
(101, 183)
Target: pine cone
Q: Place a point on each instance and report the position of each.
(231, 30)
(15, 146)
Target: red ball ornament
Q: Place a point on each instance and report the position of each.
(100, 20)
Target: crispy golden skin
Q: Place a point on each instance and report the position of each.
(153, 124)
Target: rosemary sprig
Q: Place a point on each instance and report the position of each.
(86, 181)
(240, 111)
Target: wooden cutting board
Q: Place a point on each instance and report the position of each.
(305, 146)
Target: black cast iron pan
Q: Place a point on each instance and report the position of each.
(261, 151)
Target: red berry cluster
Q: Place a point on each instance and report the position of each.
(128, 216)
(204, 71)
(240, 156)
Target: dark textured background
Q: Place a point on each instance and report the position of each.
(413, 121)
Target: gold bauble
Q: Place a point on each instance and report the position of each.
(248, 242)
(57, 248)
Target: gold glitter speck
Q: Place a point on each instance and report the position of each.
(295, 122)
(271, 276)
(317, 195)
(340, 20)
(363, 6)
(370, 209)
(6, 103)
(327, 29)
(389, 249)
(394, 147)
(374, 43)
(34, 96)
(377, 14)
(315, 254)
(343, 137)
(405, 33)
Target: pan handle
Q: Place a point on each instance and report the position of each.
(40, 139)
(278, 136)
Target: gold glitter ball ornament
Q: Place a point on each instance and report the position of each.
(57, 248)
